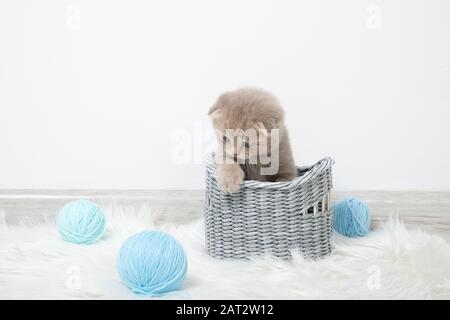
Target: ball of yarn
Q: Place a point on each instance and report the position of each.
(152, 263)
(81, 221)
(351, 217)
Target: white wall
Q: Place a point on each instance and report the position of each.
(96, 94)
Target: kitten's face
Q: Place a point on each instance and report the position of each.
(241, 138)
(240, 144)
(244, 121)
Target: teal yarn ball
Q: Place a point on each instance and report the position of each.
(152, 263)
(81, 222)
(351, 217)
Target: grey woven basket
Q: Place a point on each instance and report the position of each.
(270, 217)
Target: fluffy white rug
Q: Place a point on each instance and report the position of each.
(391, 263)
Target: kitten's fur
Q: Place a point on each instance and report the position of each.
(244, 109)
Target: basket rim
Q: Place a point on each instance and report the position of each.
(314, 170)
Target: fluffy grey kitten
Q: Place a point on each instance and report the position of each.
(253, 140)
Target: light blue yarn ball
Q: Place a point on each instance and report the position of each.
(81, 221)
(351, 217)
(152, 263)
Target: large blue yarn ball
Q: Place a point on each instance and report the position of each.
(152, 263)
(81, 221)
(351, 217)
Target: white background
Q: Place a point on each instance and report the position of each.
(98, 93)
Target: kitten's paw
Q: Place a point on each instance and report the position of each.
(230, 179)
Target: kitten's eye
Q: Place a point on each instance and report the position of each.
(225, 139)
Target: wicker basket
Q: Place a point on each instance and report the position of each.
(270, 217)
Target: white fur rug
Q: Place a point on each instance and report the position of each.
(391, 263)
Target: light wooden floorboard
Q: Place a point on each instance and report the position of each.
(429, 211)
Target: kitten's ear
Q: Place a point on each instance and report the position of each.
(214, 113)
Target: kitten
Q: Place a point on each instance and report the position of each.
(253, 140)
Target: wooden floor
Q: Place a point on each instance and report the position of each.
(429, 211)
